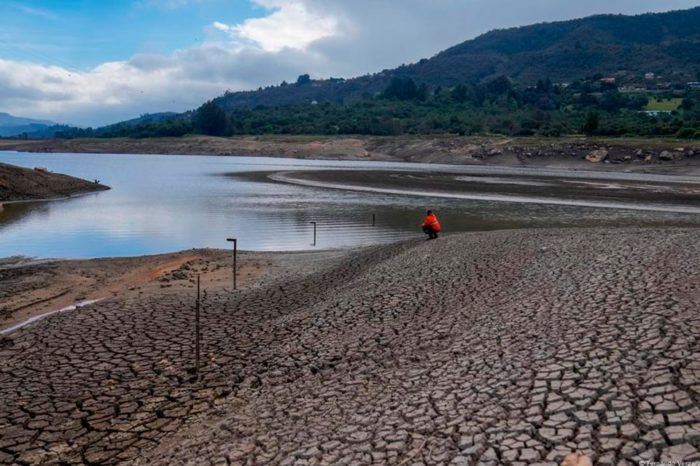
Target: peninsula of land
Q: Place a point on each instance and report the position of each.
(23, 184)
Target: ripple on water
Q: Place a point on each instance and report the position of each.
(167, 203)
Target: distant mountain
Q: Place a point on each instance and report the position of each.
(7, 120)
(145, 118)
(14, 126)
(666, 44)
(628, 47)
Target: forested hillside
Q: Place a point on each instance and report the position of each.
(602, 75)
(666, 44)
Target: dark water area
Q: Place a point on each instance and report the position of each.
(167, 203)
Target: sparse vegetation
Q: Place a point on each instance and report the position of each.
(664, 105)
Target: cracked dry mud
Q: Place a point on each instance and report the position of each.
(507, 348)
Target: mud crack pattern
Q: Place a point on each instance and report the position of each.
(506, 348)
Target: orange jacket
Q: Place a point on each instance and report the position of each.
(432, 222)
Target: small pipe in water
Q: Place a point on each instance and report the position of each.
(314, 224)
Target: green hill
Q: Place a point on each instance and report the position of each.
(667, 44)
(607, 75)
(564, 51)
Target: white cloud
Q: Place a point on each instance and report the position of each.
(115, 91)
(291, 24)
(325, 38)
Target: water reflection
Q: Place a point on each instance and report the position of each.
(167, 203)
(11, 213)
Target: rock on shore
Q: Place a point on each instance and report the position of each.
(511, 347)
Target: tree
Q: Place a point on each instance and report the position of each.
(637, 102)
(303, 79)
(401, 89)
(611, 101)
(422, 92)
(499, 86)
(686, 133)
(544, 86)
(460, 93)
(591, 124)
(211, 120)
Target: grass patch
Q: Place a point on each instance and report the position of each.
(664, 105)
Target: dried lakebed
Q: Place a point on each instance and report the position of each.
(680, 194)
(509, 347)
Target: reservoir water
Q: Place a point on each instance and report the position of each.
(167, 203)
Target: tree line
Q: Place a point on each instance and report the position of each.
(496, 106)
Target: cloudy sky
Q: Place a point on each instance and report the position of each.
(92, 62)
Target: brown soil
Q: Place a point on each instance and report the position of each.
(30, 288)
(623, 154)
(23, 184)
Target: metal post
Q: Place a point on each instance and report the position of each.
(314, 224)
(196, 331)
(235, 254)
(374, 219)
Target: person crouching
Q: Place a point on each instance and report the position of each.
(431, 225)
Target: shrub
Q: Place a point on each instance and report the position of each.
(686, 133)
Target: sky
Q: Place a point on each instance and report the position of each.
(94, 62)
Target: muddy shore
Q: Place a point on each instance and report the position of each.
(32, 287)
(508, 347)
(560, 188)
(636, 154)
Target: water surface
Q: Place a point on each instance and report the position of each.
(167, 203)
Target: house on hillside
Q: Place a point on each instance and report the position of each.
(654, 113)
(632, 89)
(650, 76)
(694, 84)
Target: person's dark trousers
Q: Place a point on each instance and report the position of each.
(432, 234)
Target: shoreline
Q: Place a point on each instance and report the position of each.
(621, 154)
(49, 199)
(37, 286)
